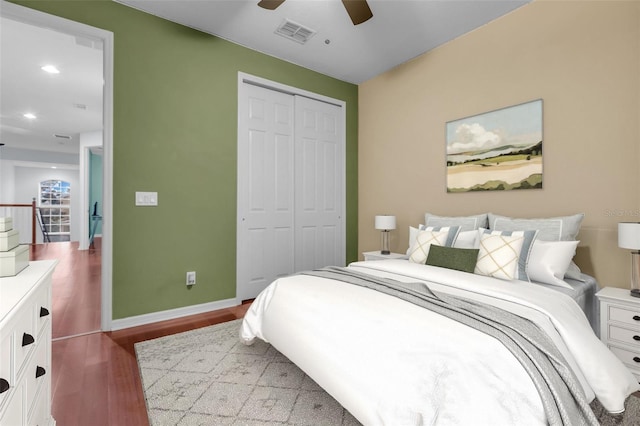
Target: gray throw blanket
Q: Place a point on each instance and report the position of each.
(562, 396)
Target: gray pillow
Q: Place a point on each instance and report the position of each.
(466, 223)
(460, 259)
(561, 228)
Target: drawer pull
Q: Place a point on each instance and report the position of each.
(40, 371)
(4, 386)
(636, 317)
(636, 337)
(43, 312)
(27, 339)
(636, 358)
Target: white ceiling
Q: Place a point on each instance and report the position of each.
(399, 31)
(65, 104)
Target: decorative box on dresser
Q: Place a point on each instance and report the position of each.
(25, 346)
(620, 325)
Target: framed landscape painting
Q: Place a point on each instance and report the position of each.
(496, 150)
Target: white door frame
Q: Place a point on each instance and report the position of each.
(41, 19)
(272, 85)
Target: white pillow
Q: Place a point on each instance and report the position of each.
(467, 239)
(413, 233)
(444, 236)
(549, 261)
(499, 254)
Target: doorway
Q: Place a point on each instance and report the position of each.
(91, 37)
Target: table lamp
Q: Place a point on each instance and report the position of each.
(629, 238)
(385, 223)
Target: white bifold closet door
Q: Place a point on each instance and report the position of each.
(291, 178)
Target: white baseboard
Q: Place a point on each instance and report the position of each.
(120, 324)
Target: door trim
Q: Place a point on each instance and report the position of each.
(244, 78)
(41, 19)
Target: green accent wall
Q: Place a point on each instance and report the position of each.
(175, 132)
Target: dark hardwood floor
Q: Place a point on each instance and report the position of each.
(75, 288)
(95, 377)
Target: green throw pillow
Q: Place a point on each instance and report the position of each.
(461, 259)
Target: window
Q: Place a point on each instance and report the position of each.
(55, 204)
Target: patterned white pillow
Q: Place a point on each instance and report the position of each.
(499, 254)
(413, 234)
(441, 236)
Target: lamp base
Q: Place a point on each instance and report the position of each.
(635, 292)
(385, 243)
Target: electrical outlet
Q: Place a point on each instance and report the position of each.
(191, 278)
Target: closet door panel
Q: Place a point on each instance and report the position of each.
(319, 197)
(265, 190)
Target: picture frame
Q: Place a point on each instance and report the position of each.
(499, 150)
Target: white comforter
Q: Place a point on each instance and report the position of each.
(390, 362)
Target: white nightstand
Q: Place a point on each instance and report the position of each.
(376, 255)
(620, 325)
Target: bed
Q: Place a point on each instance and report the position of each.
(583, 292)
(391, 361)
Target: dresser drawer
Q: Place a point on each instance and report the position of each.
(623, 335)
(41, 308)
(24, 338)
(630, 358)
(39, 415)
(14, 413)
(6, 373)
(37, 372)
(625, 316)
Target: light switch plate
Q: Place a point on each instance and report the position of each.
(146, 198)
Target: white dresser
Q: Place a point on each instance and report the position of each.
(620, 325)
(25, 346)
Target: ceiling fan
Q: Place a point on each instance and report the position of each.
(358, 10)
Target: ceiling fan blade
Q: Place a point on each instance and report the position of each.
(358, 10)
(270, 4)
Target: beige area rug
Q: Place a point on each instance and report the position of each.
(208, 377)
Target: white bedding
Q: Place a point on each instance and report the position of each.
(390, 362)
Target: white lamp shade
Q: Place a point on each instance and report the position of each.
(385, 222)
(629, 235)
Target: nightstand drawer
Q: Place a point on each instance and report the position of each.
(630, 358)
(622, 335)
(626, 316)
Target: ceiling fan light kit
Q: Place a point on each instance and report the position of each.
(358, 10)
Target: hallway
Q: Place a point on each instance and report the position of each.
(76, 286)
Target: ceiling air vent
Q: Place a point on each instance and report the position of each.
(295, 32)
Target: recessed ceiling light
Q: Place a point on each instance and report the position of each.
(29, 115)
(51, 69)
